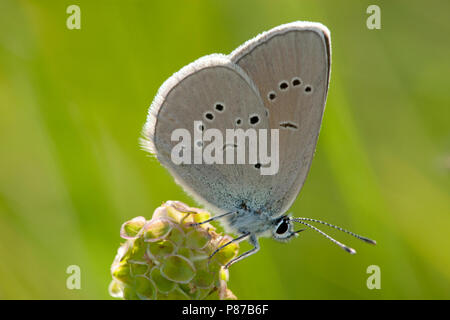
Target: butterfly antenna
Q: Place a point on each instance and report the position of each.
(338, 228)
(343, 246)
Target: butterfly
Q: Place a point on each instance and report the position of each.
(276, 83)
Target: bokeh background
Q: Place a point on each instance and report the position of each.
(72, 104)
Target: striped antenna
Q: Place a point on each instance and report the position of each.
(336, 227)
(343, 246)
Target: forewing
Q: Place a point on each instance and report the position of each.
(188, 96)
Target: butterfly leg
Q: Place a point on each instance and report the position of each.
(213, 218)
(254, 241)
(236, 240)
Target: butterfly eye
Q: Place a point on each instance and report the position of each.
(283, 227)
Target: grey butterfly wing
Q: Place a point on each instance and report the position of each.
(290, 66)
(189, 96)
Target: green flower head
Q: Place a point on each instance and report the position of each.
(168, 258)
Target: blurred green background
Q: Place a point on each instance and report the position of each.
(72, 104)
